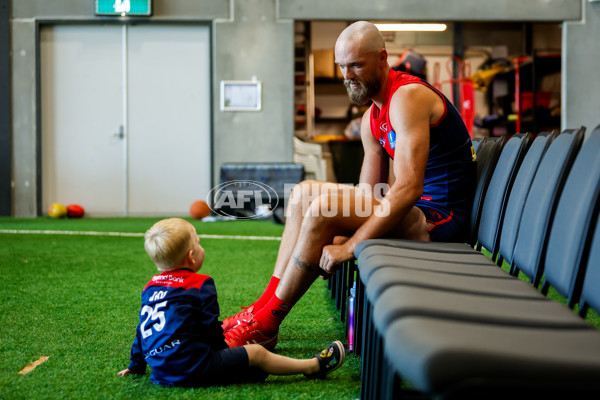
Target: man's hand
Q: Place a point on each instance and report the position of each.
(339, 239)
(333, 255)
(124, 372)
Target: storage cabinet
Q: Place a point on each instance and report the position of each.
(526, 97)
(537, 92)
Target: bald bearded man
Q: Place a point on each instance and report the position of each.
(409, 122)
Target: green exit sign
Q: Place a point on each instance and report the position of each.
(123, 7)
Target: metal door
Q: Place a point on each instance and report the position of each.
(125, 117)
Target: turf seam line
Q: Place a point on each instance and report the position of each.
(130, 234)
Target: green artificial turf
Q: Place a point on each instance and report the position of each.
(76, 298)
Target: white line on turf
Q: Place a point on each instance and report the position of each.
(129, 234)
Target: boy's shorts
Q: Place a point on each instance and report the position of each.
(228, 366)
(448, 225)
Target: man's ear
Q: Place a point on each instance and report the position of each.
(383, 55)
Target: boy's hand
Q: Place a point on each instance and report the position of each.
(124, 372)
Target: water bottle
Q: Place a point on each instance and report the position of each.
(351, 300)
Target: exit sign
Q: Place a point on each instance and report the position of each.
(123, 7)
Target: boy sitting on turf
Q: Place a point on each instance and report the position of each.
(179, 334)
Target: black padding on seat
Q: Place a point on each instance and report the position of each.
(413, 245)
(577, 207)
(498, 191)
(450, 358)
(518, 195)
(404, 301)
(494, 285)
(487, 157)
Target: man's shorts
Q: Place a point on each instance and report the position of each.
(229, 366)
(448, 225)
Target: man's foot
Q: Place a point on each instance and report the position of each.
(241, 318)
(329, 359)
(250, 333)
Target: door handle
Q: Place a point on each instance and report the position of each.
(121, 133)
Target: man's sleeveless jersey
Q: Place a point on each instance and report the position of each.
(178, 327)
(451, 168)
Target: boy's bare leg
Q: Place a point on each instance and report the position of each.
(275, 364)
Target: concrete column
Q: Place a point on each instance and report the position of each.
(254, 43)
(24, 118)
(5, 136)
(580, 77)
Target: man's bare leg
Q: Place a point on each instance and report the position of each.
(331, 214)
(300, 199)
(303, 266)
(298, 204)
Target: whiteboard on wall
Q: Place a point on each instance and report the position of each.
(241, 96)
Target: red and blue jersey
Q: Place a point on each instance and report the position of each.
(451, 167)
(178, 328)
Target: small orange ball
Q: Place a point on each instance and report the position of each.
(199, 209)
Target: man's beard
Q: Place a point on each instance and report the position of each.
(366, 92)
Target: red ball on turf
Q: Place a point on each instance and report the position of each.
(75, 211)
(199, 209)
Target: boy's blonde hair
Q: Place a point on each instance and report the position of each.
(168, 242)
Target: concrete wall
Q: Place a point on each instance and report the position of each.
(255, 45)
(253, 38)
(248, 41)
(581, 62)
(432, 10)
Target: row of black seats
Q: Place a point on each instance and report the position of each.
(448, 320)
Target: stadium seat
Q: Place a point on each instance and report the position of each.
(487, 157)
(538, 211)
(518, 196)
(498, 191)
(476, 143)
(467, 360)
(590, 295)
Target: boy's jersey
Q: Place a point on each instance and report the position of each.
(179, 325)
(451, 168)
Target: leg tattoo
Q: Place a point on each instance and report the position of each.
(308, 267)
(303, 265)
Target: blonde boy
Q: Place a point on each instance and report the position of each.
(179, 334)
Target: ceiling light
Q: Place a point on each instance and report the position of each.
(411, 27)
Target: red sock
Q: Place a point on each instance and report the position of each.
(267, 294)
(273, 314)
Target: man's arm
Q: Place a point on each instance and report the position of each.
(412, 109)
(375, 166)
